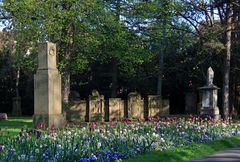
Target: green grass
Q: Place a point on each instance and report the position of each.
(13, 125)
(189, 152)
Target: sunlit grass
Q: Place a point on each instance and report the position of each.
(13, 125)
(188, 152)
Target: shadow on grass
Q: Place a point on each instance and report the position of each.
(188, 152)
(14, 125)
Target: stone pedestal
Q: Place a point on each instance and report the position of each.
(16, 111)
(47, 89)
(135, 106)
(209, 98)
(96, 107)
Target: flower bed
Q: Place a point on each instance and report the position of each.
(112, 141)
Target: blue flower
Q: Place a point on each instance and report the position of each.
(84, 160)
(93, 157)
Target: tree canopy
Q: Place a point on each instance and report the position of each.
(152, 46)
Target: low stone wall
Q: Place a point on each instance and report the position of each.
(135, 108)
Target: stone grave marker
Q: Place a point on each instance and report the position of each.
(154, 105)
(135, 106)
(96, 106)
(116, 109)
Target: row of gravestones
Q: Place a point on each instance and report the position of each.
(98, 109)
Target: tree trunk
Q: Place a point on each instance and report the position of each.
(66, 87)
(114, 60)
(160, 73)
(17, 82)
(226, 66)
(161, 62)
(114, 78)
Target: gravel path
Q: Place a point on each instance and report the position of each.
(229, 155)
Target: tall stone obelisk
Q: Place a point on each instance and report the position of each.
(47, 89)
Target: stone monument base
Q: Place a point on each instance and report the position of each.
(210, 112)
(48, 121)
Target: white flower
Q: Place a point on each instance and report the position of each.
(23, 156)
(155, 135)
(59, 146)
(99, 144)
(162, 139)
(37, 151)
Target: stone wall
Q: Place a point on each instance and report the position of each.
(135, 108)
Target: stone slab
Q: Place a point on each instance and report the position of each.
(77, 111)
(135, 106)
(96, 108)
(116, 109)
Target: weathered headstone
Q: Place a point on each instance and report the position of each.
(209, 97)
(77, 111)
(165, 107)
(16, 111)
(157, 106)
(96, 107)
(116, 108)
(135, 106)
(47, 89)
(154, 105)
(3, 116)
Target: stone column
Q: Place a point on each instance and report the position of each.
(47, 89)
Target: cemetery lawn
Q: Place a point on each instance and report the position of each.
(189, 152)
(13, 125)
